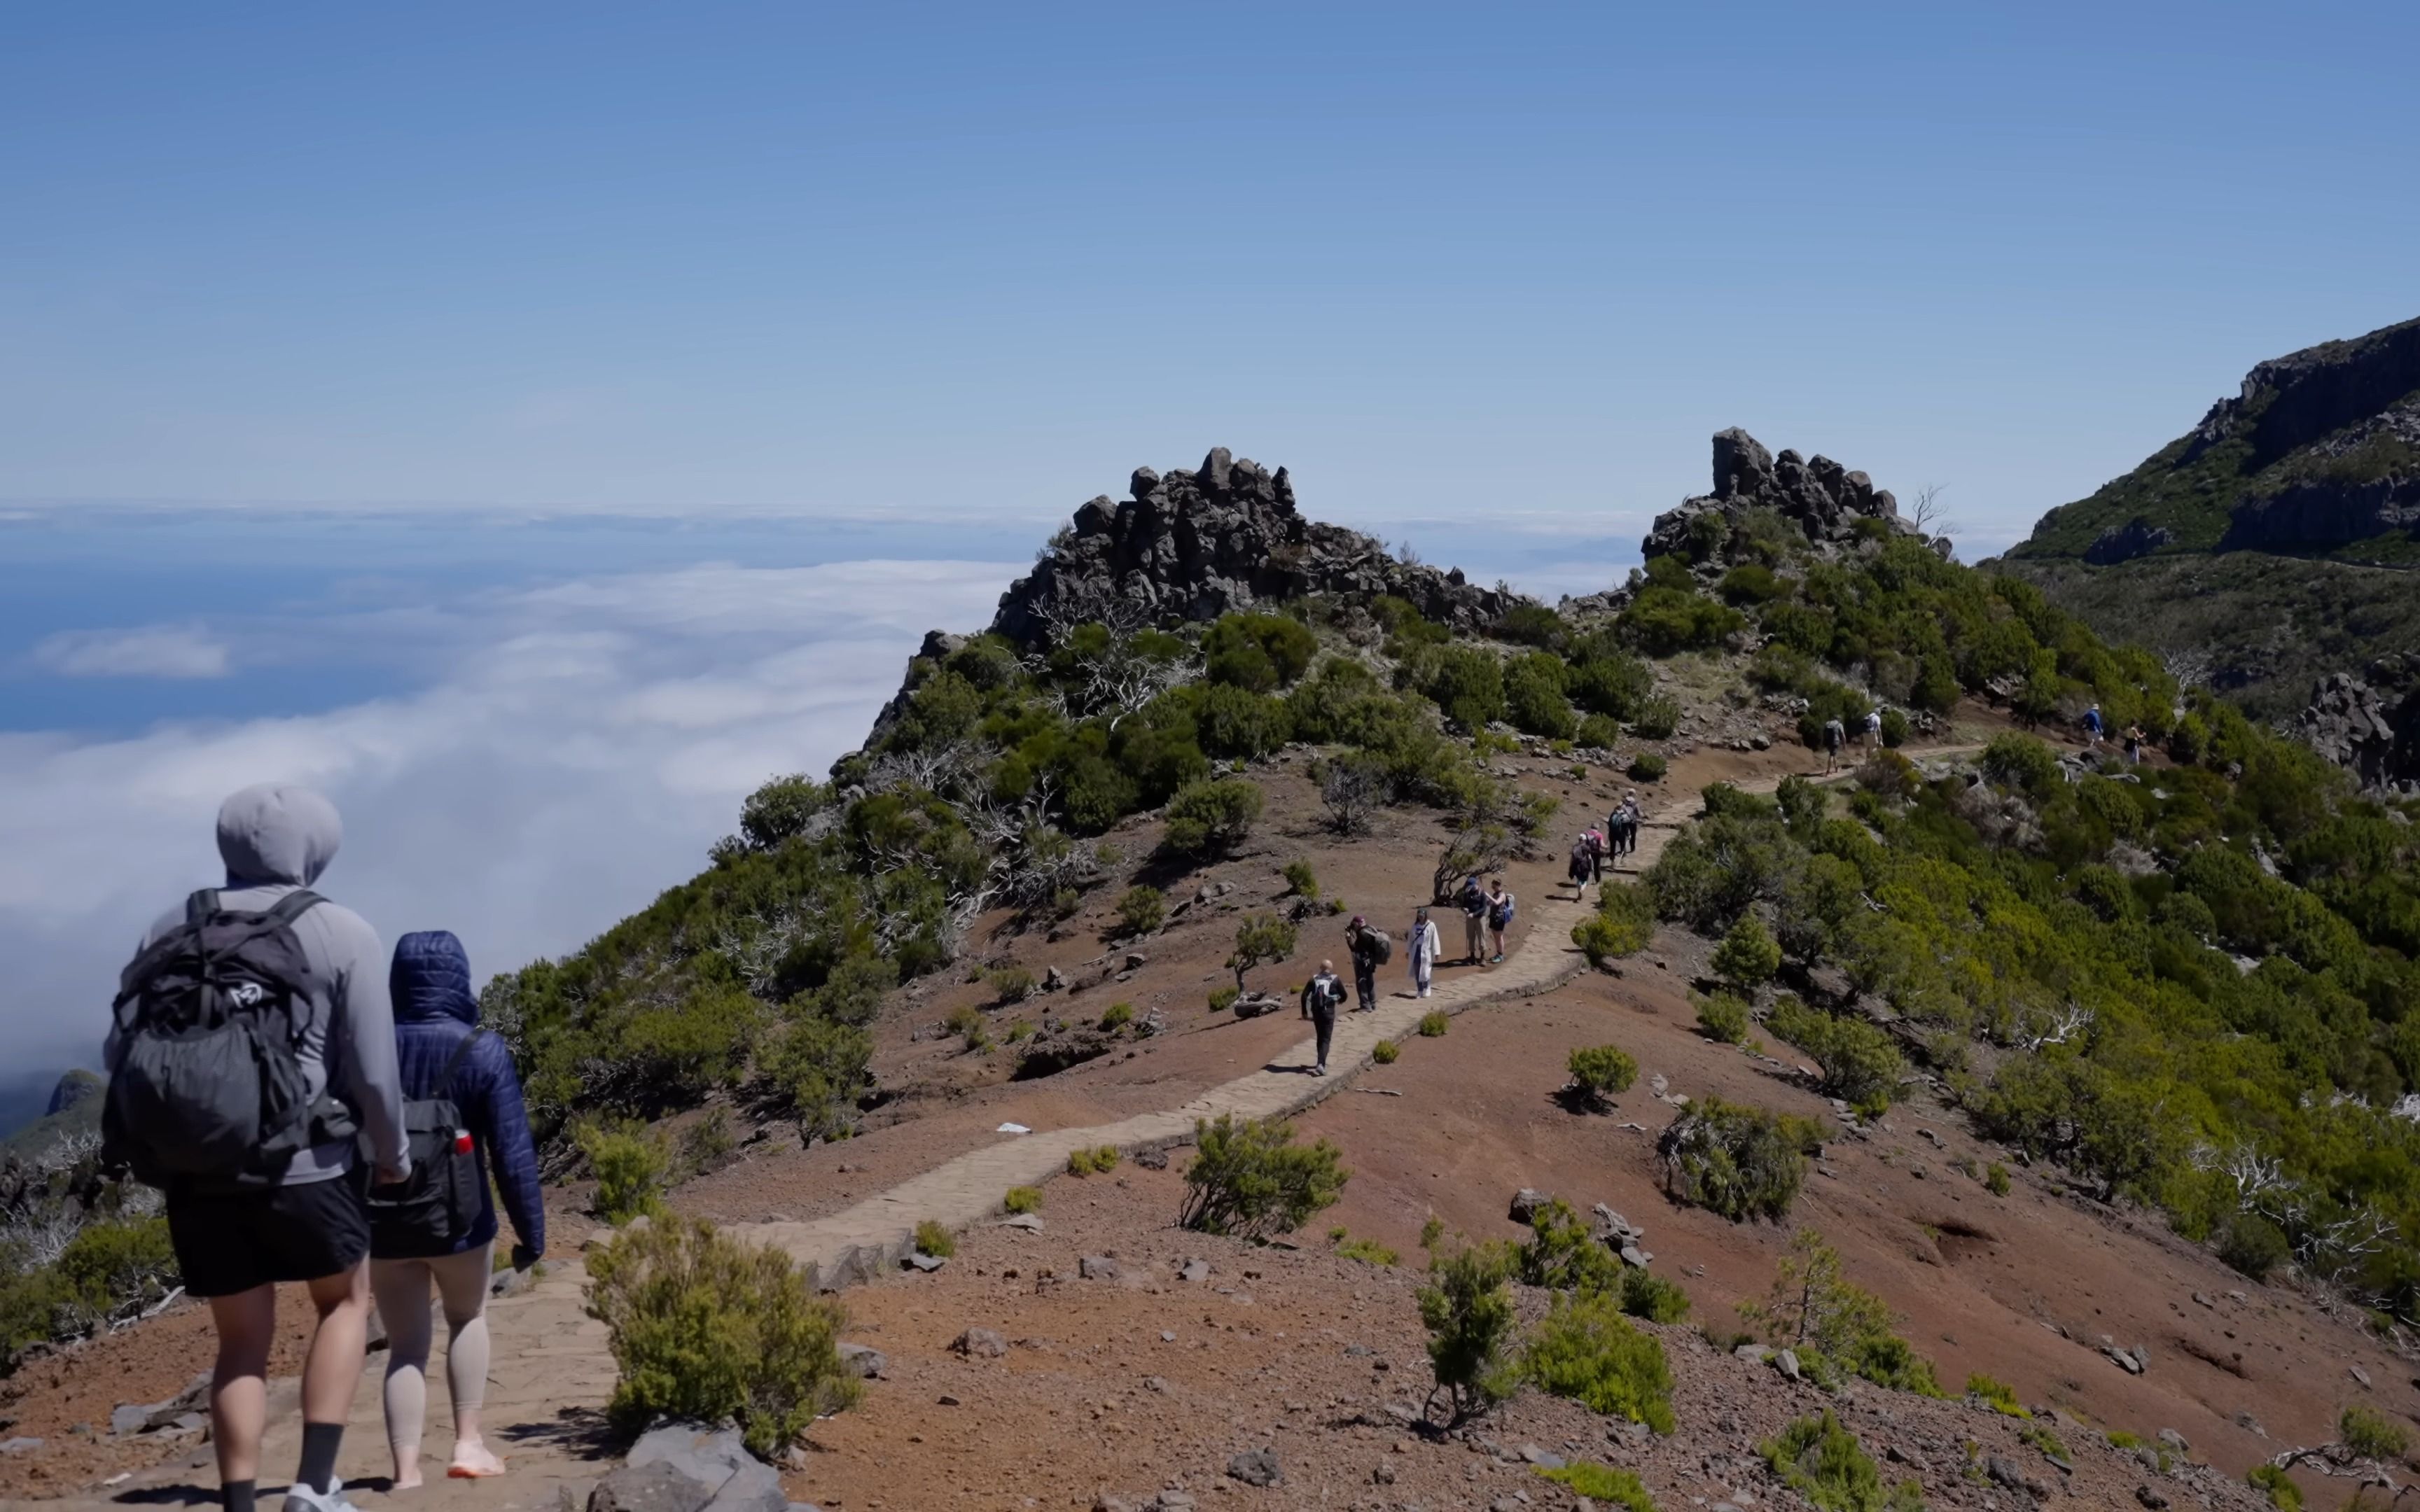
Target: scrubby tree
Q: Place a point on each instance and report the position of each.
(1261, 937)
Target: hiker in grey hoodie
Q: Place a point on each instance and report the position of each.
(303, 1220)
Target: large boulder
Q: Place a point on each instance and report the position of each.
(1823, 497)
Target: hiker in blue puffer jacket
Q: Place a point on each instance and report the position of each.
(435, 1013)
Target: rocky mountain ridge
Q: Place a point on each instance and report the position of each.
(1823, 497)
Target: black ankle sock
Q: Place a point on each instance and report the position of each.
(236, 1495)
(319, 1443)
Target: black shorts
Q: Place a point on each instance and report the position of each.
(232, 1241)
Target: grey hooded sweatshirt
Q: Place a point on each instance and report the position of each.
(275, 839)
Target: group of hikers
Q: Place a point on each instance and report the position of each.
(1835, 738)
(1486, 914)
(1600, 846)
(316, 1113)
(2096, 729)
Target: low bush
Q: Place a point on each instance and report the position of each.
(1467, 1308)
(1823, 1461)
(1748, 958)
(1998, 1396)
(1723, 1018)
(1011, 984)
(1605, 1484)
(1656, 718)
(703, 1327)
(1561, 1254)
(1262, 937)
(1861, 1063)
(1597, 733)
(1817, 1311)
(1737, 1161)
(1433, 1024)
(1302, 880)
(934, 1239)
(1142, 909)
(1624, 922)
(2279, 1487)
(1099, 1160)
(1586, 1350)
(2370, 1434)
(1117, 1017)
(2253, 1246)
(1600, 1071)
(1223, 999)
(1212, 817)
(1385, 1052)
(1368, 1251)
(1249, 1179)
(1648, 767)
(1655, 1298)
(968, 1024)
(630, 1164)
(1996, 1179)
(1019, 1199)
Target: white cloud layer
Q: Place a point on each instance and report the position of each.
(586, 744)
(183, 651)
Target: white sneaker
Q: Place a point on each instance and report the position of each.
(302, 1498)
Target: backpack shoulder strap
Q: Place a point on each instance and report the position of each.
(453, 1063)
(294, 905)
(201, 906)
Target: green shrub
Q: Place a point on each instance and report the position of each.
(1019, 1199)
(1605, 1484)
(1813, 1308)
(1748, 958)
(1561, 1254)
(1647, 768)
(1655, 720)
(1249, 1179)
(1368, 1251)
(1223, 999)
(1467, 1308)
(1098, 1160)
(1302, 880)
(2370, 1434)
(2281, 1492)
(1723, 1018)
(782, 809)
(1655, 1298)
(1998, 1396)
(1433, 1024)
(1142, 909)
(2253, 1246)
(1261, 937)
(1011, 984)
(1117, 1017)
(1212, 817)
(2049, 1443)
(1586, 1350)
(1596, 732)
(1385, 1052)
(934, 1239)
(1823, 1461)
(630, 1164)
(1624, 922)
(1996, 1179)
(1895, 728)
(1601, 1071)
(1862, 1065)
(1534, 698)
(968, 1023)
(705, 1327)
(1257, 651)
(1740, 1162)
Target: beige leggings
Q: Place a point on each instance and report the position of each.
(401, 1288)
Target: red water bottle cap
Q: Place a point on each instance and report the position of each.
(461, 1141)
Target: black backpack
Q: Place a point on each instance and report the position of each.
(208, 1085)
(426, 1211)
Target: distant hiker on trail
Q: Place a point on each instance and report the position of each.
(1424, 946)
(1474, 920)
(1621, 826)
(463, 1115)
(1583, 862)
(1369, 949)
(1500, 915)
(1597, 847)
(1835, 735)
(1321, 997)
(2134, 738)
(2093, 729)
(1873, 730)
(250, 1044)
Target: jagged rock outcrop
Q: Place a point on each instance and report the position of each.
(1193, 546)
(2137, 537)
(2375, 737)
(1825, 498)
(2357, 484)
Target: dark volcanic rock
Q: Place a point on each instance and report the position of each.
(2137, 537)
(1194, 545)
(2352, 724)
(1825, 498)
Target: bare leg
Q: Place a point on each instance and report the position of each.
(333, 1366)
(246, 1322)
(402, 1291)
(463, 1286)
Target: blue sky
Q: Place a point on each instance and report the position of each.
(536, 425)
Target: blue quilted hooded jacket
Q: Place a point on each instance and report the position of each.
(434, 1010)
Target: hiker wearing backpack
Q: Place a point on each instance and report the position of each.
(1835, 735)
(463, 1116)
(1321, 997)
(1500, 916)
(250, 1044)
(1424, 946)
(1370, 949)
(1473, 900)
(1583, 862)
